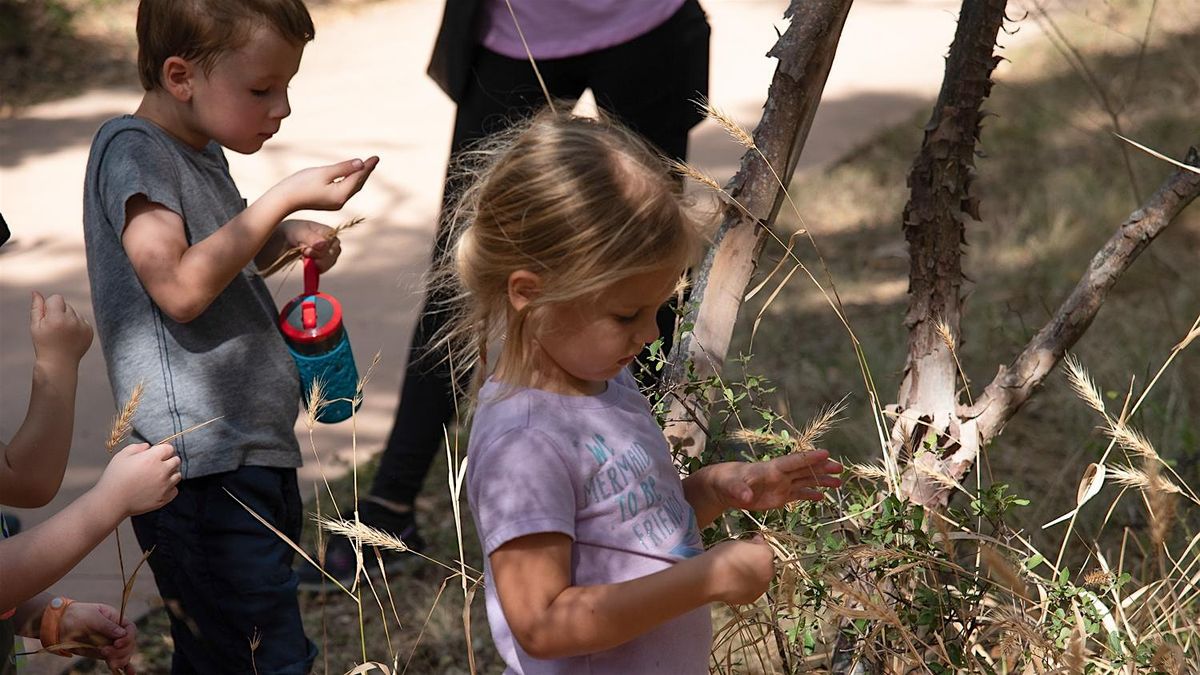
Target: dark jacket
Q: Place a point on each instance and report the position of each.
(450, 65)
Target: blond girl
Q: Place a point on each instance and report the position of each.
(573, 235)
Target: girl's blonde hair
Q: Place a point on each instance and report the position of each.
(583, 203)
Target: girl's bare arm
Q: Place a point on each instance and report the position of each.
(552, 619)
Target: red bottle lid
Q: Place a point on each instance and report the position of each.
(311, 317)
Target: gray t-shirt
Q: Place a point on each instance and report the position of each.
(597, 469)
(231, 361)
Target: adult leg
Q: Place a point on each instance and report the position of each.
(501, 90)
(672, 63)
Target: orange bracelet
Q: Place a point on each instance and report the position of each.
(51, 618)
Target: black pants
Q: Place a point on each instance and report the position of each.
(649, 83)
(224, 577)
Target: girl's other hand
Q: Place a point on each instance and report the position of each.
(96, 624)
(142, 478)
(60, 336)
(742, 570)
(757, 486)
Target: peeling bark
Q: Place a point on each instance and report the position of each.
(805, 52)
(940, 184)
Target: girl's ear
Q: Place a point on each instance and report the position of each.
(523, 288)
(177, 77)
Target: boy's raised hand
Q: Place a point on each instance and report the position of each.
(757, 486)
(60, 336)
(142, 478)
(96, 624)
(326, 188)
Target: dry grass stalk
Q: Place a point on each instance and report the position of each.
(727, 123)
(189, 430)
(869, 471)
(123, 422)
(1161, 504)
(685, 169)
(818, 426)
(1168, 658)
(293, 545)
(1132, 440)
(1074, 659)
(1082, 384)
(316, 403)
(1099, 579)
(941, 478)
(365, 534)
(1004, 572)
(1135, 478)
(758, 438)
(943, 331)
(292, 254)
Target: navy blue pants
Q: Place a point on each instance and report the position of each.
(224, 577)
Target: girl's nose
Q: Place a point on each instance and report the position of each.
(648, 329)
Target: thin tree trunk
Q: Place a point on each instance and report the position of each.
(940, 183)
(805, 52)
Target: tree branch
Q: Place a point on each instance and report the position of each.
(805, 52)
(1015, 384)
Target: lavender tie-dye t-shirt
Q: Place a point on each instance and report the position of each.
(597, 469)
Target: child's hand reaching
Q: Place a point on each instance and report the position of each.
(757, 486)
(326, 188)
(96, 624)
(141, 478)
(315, 239)
(60, 336)
(742, 570)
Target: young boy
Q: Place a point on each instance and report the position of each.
(173, 256)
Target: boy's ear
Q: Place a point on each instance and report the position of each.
(177, 76)
(523, 287)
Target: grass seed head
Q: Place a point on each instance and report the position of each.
(123, 422)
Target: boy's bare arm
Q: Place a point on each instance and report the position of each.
(553, 619)
(184, 280)
(36, 458)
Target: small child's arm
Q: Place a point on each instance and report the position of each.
(758, 486)
(36, 458)
(184, 280)
(139, 478)
(552, 619)
(83, 623)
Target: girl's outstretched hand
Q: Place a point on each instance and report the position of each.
(757, 486)
(96, 624)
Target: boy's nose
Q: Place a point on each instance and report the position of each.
(282, 109)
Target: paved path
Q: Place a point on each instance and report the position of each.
(362, 91)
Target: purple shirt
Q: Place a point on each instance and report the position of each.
(557, 29)
(597, 469)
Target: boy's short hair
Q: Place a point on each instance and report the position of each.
(202, 30)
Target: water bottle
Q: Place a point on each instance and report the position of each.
(312, 327)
